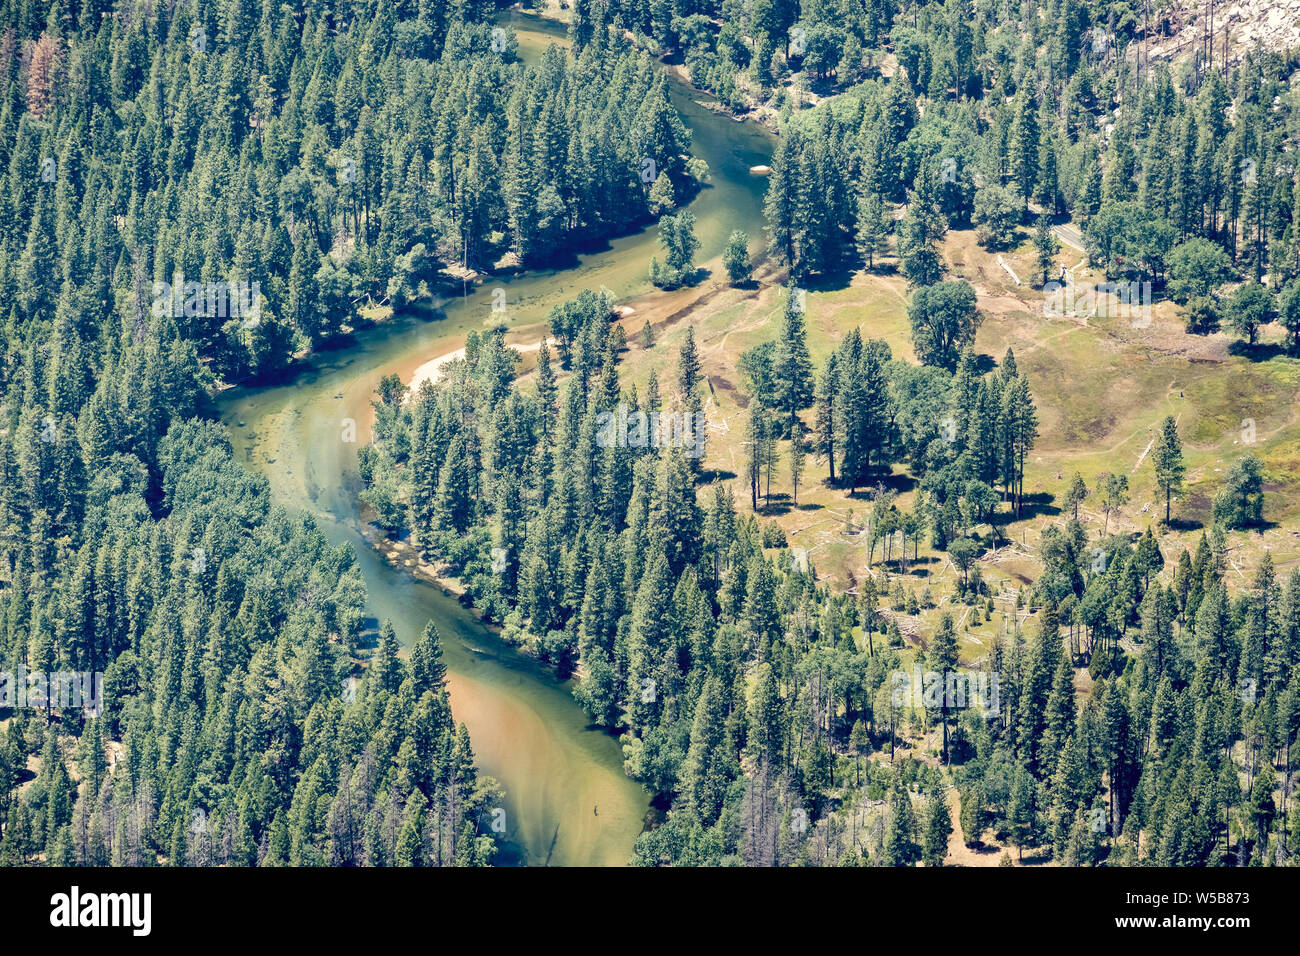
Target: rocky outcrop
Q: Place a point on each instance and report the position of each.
(1272, 25)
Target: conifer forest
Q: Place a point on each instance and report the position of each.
(768, 433)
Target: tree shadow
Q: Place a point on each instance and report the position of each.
(338, 341)
(824, 85)
(1259, 352)
(1259, 527)
(433, 313)
(1038, 858)
(833, 281)
(899, 482)
(282, 375)
(21, 774)
(1040, 504)
(717, 474)
(919, 568)
(881, 268)
(776, 505)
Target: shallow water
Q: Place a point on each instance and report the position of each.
(568, 801)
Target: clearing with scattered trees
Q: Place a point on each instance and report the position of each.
(854, 432)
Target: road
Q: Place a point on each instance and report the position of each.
(1068, 234)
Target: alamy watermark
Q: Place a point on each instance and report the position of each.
(624, 428)
(956, 690)
(1106, 300)
(60, 690)
(219, 300)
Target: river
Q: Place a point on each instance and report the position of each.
(568, 801)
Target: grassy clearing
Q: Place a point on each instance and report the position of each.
(1101, 386)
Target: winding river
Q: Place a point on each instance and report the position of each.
(568, 801)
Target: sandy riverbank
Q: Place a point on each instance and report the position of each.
(432, 370)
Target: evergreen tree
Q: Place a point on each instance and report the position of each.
(796, 465)
(873, 228)
(1046, 247)
(792, 367)
(901, 847)
(938, 827)
(1167, 459)
(827, 426)
(943, 656)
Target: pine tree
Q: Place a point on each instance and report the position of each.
(786, 205)
(796, 465)
(868, 598)
(756, 439)
(792, 367)
(386, 670)
(943, 657)
(1046, 247)
(938, 827)
(662, 198)
(688, 366)
(1167, 459)
(1022, 812)
(453, 505)
(1048, 189)
(1075, 495)
(918, 248)
(827, 425)
(901, 847)
(427, 667)
(873, 228)
(705, 772)
(972, 815)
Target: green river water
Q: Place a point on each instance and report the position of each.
(568, 801)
